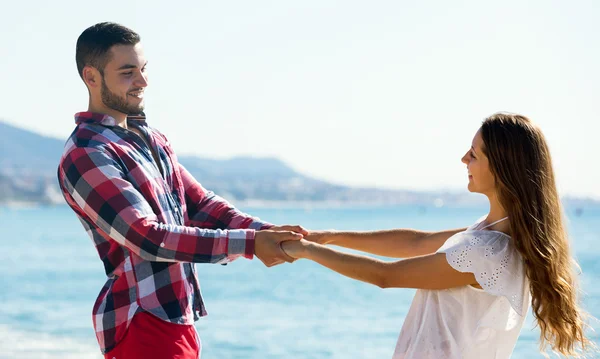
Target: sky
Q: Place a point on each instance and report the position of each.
(363, 93)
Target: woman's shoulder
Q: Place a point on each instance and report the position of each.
(495, 262)
(496, 240)
(477, 222)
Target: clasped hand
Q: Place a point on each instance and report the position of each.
(283, 243)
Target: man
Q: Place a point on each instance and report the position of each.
(149, 219)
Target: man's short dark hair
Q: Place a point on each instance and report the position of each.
(93, 45)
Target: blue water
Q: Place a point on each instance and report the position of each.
(51, 276)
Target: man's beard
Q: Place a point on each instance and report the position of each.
(113, 101)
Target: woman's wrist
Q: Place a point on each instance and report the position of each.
(332, 236)
(326, 237)
(296, 249)
(308, 249)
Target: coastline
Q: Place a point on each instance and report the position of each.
(577, 203)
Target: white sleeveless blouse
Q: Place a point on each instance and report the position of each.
(467, 322)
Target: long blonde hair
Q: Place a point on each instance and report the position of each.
(521, 164)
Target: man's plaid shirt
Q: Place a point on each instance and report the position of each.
(149, 223)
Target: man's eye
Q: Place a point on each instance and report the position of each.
(472, 155)
(128, 73)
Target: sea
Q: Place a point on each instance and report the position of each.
(51, 275)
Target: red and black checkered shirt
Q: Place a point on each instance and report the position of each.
(149, 223)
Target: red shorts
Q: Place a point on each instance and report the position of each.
(149, 337)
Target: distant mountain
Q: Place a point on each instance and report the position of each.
(28, 163)
(248, 167)
(25, 152)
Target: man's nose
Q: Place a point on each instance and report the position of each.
(141, 80)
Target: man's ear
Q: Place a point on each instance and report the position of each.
(91, 77)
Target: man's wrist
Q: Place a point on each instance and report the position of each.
(250, 249)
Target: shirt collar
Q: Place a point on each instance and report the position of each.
(106, 120)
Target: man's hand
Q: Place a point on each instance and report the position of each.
(267, 249)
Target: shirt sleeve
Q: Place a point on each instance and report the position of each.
(207, 210)
(493, 259)
(97, 185)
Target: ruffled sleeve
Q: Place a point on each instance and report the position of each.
(493, 259)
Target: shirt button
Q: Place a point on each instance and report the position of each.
(162, 244)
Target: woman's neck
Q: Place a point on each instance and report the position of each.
(497, 212)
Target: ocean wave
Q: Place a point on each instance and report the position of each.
(21, 344)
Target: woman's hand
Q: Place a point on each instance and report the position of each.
(295, 249)
(292, 228)
(320, 237)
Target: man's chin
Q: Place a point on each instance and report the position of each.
(135, 110)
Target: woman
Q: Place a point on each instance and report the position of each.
(476, 284)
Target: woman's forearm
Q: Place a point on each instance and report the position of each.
(424, 272)
(395, 243)
(359, 267)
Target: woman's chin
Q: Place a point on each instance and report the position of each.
(471, 188)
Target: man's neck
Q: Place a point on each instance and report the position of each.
(120, 118)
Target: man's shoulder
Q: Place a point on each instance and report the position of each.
(89, 137)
